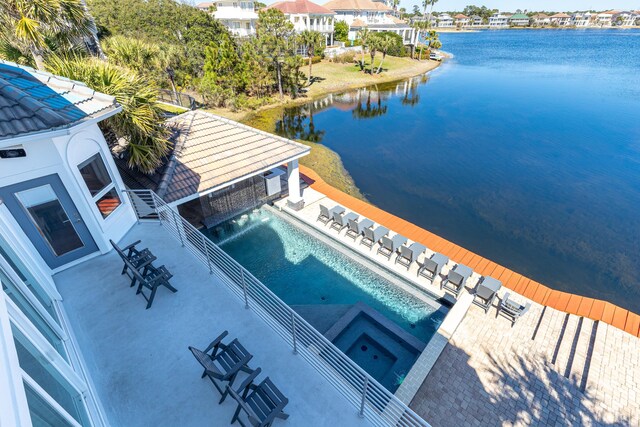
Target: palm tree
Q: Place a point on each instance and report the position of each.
(373, 41)
(394, 4)
(311, 40)
(33, 25)
(364, 35)
(137, 130)
(384, 44)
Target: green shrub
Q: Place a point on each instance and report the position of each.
(398, 48)
(316, 59)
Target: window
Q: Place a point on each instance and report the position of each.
(47, 376)
(100, 185)
(42, 414)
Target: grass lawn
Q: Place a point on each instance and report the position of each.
(336, 77)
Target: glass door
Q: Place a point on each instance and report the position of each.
(49, 218)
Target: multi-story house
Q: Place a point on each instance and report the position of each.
(519, 20)
(560, 19)
(306, 15)
(477, 21)
(581, 19)
(607, 18)
(373, 15)
(499, 20)
(445, 21)
(626, 19)
(462, 20)
(239, 17)
(541, 20)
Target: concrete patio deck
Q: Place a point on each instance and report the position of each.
(139, 361)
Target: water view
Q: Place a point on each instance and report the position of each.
(525, 148)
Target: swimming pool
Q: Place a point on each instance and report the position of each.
(315, 279)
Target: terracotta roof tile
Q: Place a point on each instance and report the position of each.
(300, 7)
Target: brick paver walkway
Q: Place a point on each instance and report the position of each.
(533, 373)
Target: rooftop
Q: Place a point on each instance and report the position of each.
(138, 358)
(300, 7)
(33, 102)
(211, 152)
(356, 5)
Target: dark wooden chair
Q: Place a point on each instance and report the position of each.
(152, 278)
(133, 258)
(261, 403)
(223, 362)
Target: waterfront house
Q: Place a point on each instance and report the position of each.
(239, 17)
(560, 20)
(499, 20)
(519, 20)
(477, 21)
(541, 20)
(582, 19)
(626, 19)
(445, 21)
(606, 19)
(462, 20)
(306, 15)
(376, 16)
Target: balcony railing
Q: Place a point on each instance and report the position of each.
(369, 398)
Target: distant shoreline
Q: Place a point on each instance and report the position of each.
(481, 29)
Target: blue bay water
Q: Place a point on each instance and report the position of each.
(524, 148)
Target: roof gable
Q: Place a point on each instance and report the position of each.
(356, 5)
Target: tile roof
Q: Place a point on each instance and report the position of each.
(33, 101)
(560, 15)
(300, 7)
(461, 16)
(211, 151)
(356, 5)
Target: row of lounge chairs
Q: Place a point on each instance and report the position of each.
(138, 265)
(260, 403)
(454, 281)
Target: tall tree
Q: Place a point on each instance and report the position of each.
(138, 128)
(364, 35)
(34, 25)
(385, 42)
(274, 32)
(373, 48)
(311, 40)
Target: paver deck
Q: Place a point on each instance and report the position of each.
(533, 374)
(139, 361)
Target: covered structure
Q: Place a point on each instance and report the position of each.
(218, 168)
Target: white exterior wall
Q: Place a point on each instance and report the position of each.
(498, 21)
(61, 155)
(321, 23)
(238, 16)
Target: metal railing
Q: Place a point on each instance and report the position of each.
(372, 400)
(180, 99)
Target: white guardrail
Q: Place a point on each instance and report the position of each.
(372, 400)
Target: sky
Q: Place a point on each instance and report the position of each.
(512, 5)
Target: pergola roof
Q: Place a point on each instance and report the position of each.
(211, 153)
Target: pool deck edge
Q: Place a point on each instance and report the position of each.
(594, 309)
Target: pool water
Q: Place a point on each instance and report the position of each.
(303, 271)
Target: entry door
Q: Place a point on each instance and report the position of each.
(49, 218)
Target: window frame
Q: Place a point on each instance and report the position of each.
(107, 188)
